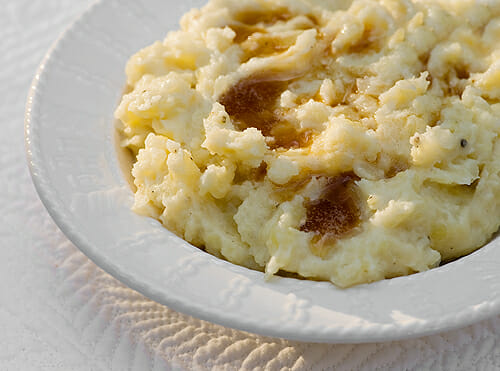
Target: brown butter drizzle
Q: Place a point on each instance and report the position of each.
(247, 21)
(258, 174)
(252, 102)
(336, 212)
(397, 166)
(243, 31)
(263, 45)
(252, 17)
(254, 21)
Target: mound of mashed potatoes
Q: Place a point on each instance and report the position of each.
(348, 141)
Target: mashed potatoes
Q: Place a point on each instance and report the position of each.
(350, 141)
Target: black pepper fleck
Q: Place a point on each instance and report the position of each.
(463, 143)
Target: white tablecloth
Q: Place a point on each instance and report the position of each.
(58, 311)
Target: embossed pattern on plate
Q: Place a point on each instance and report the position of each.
(70, 151)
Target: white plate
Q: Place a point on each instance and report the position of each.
(69, 136)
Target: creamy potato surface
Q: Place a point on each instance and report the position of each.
(348, 141)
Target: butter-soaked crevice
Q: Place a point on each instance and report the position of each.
(244, 31)
(252, 33)
(271, 16)
(398, 165)
(337, 211)
(266, 16)
(254, 174)
(370, 42)
(264, 45)
(252, 102)
(249, 22)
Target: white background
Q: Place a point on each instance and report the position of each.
(58, 311)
